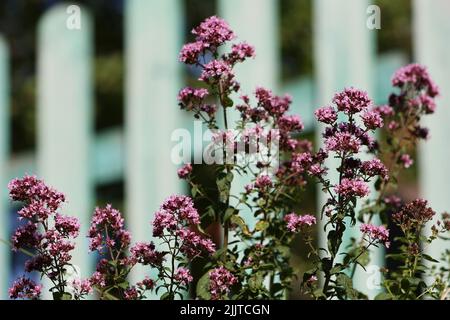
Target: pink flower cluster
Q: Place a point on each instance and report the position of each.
(240, 52)
(220, 282)
(295, 223)
(183, 276)
(175, 213)
(185, 171)
(352, 101)
(374, 167)
(51, 239)
(175, 216)
(417, 76)
(414, 214)
(213, 32)
(326, 115)
(372, 119)
(24, 288)
(41, 200)
(146, 254)
(107, 230)
(193, 245)
(349, 188)
(81, 288)
(263, 182)
(376, 234)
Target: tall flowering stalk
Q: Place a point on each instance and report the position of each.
(111, 241)
(46, 233)
(262, 135)
(173, 225)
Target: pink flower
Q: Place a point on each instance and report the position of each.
(352, 188)
(98, 279)
(352, 100)
(295, 222)
(185, 171)
(406, 160)
(393, 125)
(189, 97)
(416, 75)
(163, 221)
(263, 182)
(414, 214)
(372, 120)
(384, 110)
(190, 52)
(112, 220)
(220, 282)
(146, 284)
(380, 234)
(146, 254)
(343, 141)
(374, 167)
(30, 189)
(131, 293)
(183, 276)
(26, 237)
(175, 213)
(326, 115)
(194, 245)
(276, 106)
(240, 52)
(213, 32)
(291, 123)
(216, 70)
(24, 288)
(81, 287)
(68, 226)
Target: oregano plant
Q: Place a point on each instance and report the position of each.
(254, 138)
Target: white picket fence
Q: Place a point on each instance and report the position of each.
(73, 160)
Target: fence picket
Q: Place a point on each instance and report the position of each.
(261, 31)
(340, 28)
(432, 48)
(4, 155)
(64, 109)
(154, 76)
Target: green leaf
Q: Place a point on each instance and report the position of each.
(62, 296)
(202, 289)
(334, 241)
(123, 285)
(229, 212)
(261, 225)
(429, 258)
(166, 296)
(364, 258)
(224, 185)
(405, 285)
(383, 296)
(227, 102)
(284, 250)
(235, 219)
(256, 281)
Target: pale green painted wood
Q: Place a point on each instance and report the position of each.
(432, 48)
(154, 77)
(65, 103)
(5, 260)
(255, 22)
(344, 56)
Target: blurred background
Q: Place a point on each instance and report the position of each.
(91, 109)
